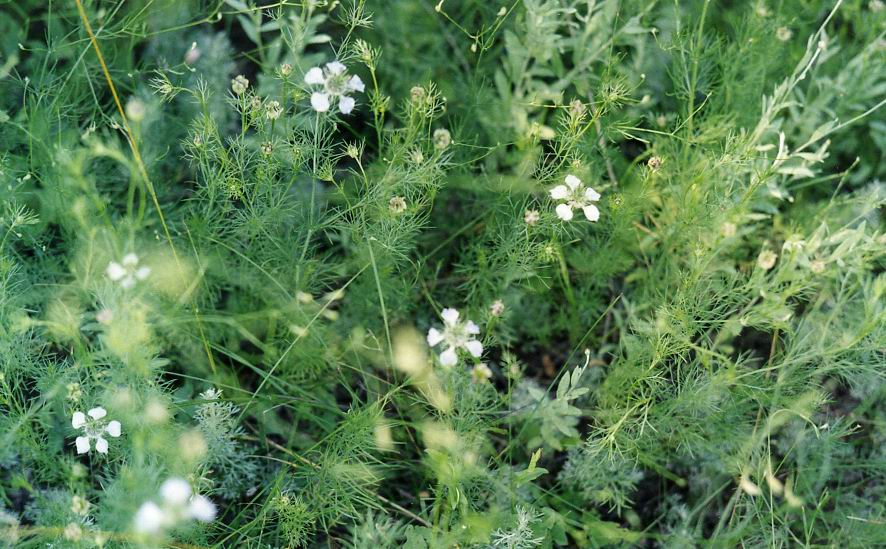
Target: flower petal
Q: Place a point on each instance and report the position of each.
(150, 518)
(115, 271)
(97, 413)
(592, 195)
(472, 328)
(474, 347)
(130, 260)
(142, 273)
(564, 212)
(346, 104)
(113, 428)
(335, 67)
(314, 76)
(82, 444)
(572, 181)
(175, 491)
(448, 357)
(449, 316)
(434, 337)
(320, 101)
(128, 282)
(201, 509)
(101, 445)
(356, 84)
(79, 420)
(559, 192)
(591, 212)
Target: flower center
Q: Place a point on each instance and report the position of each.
(337, 84)
(456, 336)
(576, 198)
(94, 428)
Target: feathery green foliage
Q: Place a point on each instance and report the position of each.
(431, 274)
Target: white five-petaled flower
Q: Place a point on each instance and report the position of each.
(337, 84)
(273, 110)
(127, 272)
(94, 428)
(456, 334)
(177, 505)
(575, 195)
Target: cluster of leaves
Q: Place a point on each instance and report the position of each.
(242, 279)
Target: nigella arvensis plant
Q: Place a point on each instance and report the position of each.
(575, 195)
(177, 505)
(94, 427)
(127, 272)
(336, 84)
(456, 334)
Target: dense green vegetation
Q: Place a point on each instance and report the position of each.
(456, 273)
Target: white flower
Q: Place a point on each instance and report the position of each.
(127, 272)
(149, 518)
(337, 84)
(200, 508)
(273, 110)
(175, 491)
(239, 84)
(531, 217)
(456, 334)
(497, 308)
(177, 505)
(575, 195)
(94, 429)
